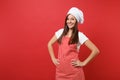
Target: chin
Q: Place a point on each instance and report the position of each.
(70, 27)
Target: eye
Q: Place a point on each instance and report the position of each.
(72, 19)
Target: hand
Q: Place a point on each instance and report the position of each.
(55, 61)
(78, 63)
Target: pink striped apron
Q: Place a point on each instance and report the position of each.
(65, 70)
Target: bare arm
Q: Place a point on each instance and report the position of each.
(51, 51)
(94, 52)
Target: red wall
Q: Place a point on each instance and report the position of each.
(27, 25)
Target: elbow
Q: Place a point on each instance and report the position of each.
(97, 51)
(49, 44)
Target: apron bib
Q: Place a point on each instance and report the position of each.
(65, 70)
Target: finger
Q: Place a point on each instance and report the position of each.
(73, 59)
(56, 64)
(74, 63)
(58, 60)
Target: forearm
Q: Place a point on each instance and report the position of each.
(94, 52)
(51, 51)
(90, 57)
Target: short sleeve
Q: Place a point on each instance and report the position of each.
(58, 33)
(82, 37)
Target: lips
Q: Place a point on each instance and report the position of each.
(70, 24)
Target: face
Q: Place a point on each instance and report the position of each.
(71, 21)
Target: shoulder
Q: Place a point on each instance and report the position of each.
(80, 34)
(59, 32)
(82, 37)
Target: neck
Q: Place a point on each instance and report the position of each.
(69, 33)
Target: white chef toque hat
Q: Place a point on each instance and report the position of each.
(77, 13)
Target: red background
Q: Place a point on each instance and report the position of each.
(27, 25)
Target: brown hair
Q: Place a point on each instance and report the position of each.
(74, 38)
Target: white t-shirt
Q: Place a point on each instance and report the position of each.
(82, 37)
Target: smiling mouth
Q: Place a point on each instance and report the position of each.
(70, 24)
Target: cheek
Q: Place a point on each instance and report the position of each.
(67, 21)
(75, 21)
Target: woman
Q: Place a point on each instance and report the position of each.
(68, 65)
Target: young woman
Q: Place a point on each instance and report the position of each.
(68, 65)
